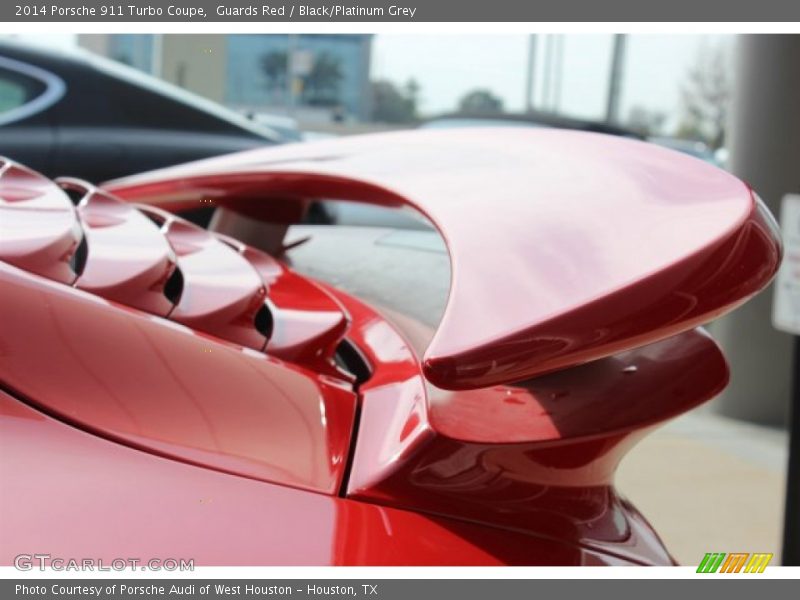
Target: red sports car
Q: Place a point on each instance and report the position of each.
(167, 390)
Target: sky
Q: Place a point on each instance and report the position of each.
(449, 65)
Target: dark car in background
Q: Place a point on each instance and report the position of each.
(74, 112)
(526, 119)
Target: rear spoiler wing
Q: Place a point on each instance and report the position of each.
(565, 247)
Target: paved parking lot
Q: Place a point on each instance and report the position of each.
(710, 484)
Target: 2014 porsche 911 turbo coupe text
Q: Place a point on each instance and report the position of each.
(167, 390)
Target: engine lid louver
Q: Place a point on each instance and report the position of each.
(146, 258)
(39, 229)
(222, 293)
(308, 323)
(128, 260)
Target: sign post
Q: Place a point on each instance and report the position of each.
(786, 317)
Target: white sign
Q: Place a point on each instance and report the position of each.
(786, 301)
(301, 62)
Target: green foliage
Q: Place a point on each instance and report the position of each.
(646, 122)
(480, 101)
(391, 104)
(321, 85)
(705, 96)
(273, 64)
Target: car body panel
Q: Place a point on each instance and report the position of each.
(168, 386)
(151, 383)
(611, 243)
(95, 498)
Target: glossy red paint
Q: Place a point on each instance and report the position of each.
(171, 389)
(127, 259)
(94, 498)
(233, 455)
(39, 230)
(150, 383)
(307, 322)
(538, 456)
(565, 247)
(221, 293)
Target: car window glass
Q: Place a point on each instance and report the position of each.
(23, 94)
(12, 93)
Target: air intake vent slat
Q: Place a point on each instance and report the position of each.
(219, 291)
(309, 322)
(126, 257)
(263, 321)
(78, 260)
(39, 229)
(174, 286)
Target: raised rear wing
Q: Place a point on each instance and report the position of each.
(565, 247)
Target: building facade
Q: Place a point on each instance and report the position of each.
(328, 74)
(331, 70)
